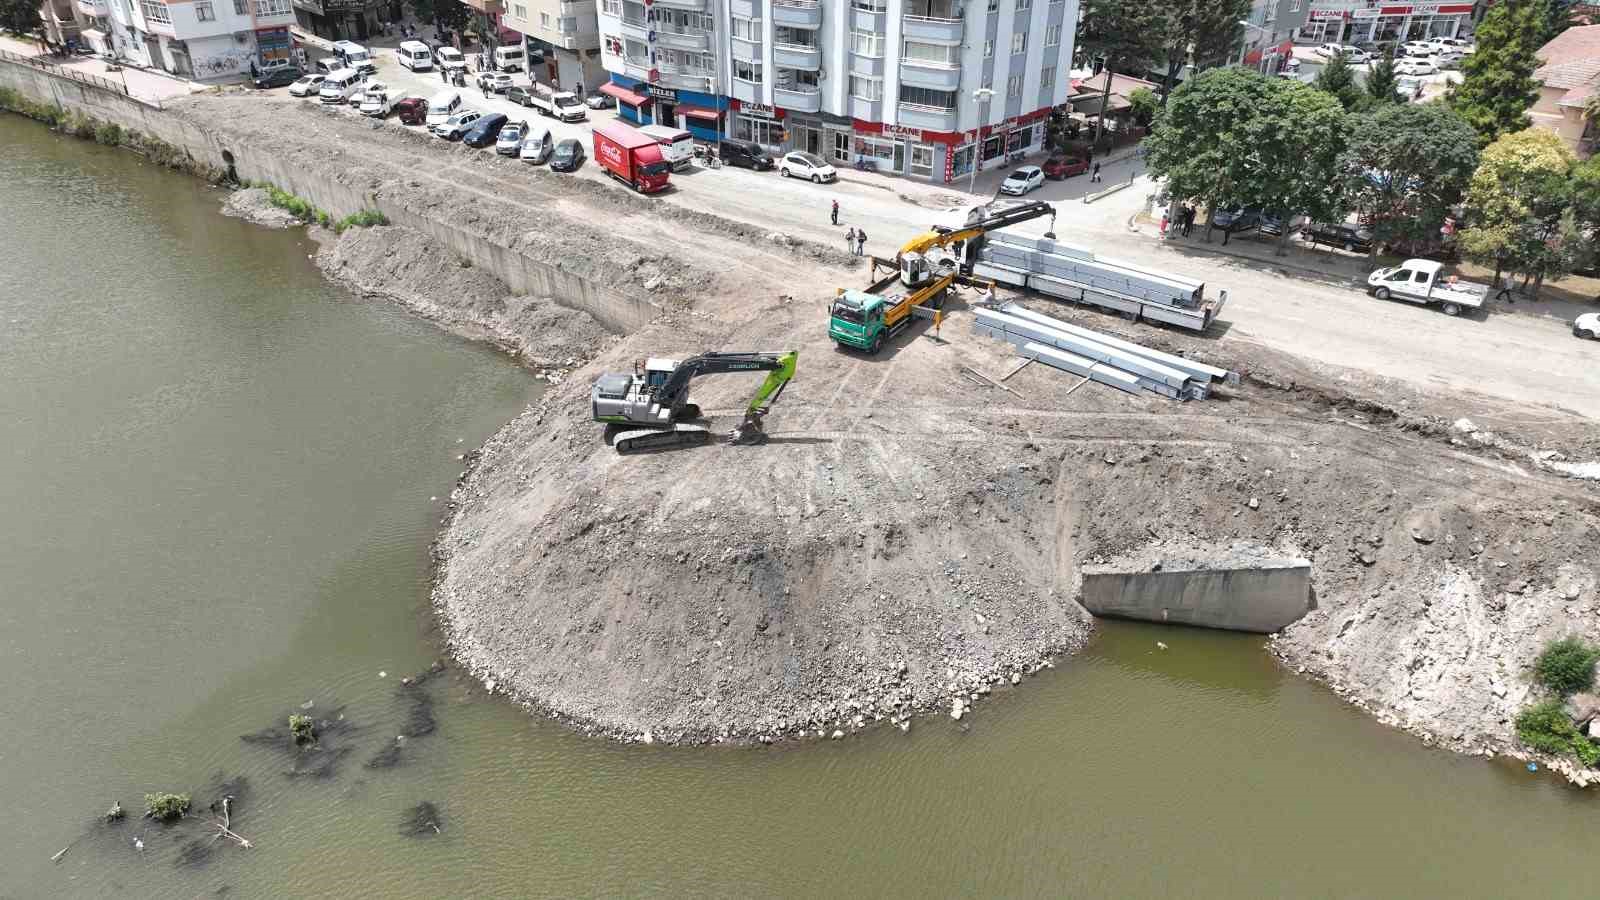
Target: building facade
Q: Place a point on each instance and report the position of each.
(1374, 21)
(343, 20)
(1270, 32)
(917, 87)
(566, 33)
(203, 40)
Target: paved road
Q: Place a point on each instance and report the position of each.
(1329, 320)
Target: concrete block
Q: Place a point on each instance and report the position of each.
(1264, 596)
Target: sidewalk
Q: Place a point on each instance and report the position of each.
(142, 84)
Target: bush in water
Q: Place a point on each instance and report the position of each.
(1546, 727)
(166, 807)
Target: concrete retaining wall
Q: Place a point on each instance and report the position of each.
(524, 274)
(1261, 598)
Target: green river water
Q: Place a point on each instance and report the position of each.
(217, 483)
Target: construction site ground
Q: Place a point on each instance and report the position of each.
(910, 539)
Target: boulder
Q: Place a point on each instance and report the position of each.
(1583, 708)
(1425, 526)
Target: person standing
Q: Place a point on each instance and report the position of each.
(835, 212)
(850, 240)
(1506, 284)
(1188, 218)
(861, 242)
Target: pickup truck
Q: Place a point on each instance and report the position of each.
(563, 105)
(1418, 281)
(376, 103)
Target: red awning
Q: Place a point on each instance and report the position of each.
(623, 94)
(704, 113)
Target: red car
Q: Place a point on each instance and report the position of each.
(412, 111)
(1059, 167)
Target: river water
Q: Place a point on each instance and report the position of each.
(220, 477)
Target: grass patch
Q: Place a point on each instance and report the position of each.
(1546, 727)
(367, 218)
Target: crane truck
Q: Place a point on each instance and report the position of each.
(920, 276)
(650, 408)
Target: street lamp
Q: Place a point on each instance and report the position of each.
(982, 96)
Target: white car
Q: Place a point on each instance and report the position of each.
(807, 165)
(1408, 87)
(509, 143)
(307, 86)
(1329, 51)
(1587, 326)
(1022, 180)
(1416, 66)
(1356, 55)
(493, 82)
(1459, 45)
(453, 128)
(1418, 48)
(449, 58)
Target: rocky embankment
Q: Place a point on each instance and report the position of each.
(254, 206)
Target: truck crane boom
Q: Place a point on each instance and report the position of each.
(654, 400)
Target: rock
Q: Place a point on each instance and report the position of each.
(1583, 708)
(957, 709)
(1517, 587)
(837, 734)
(1498, 689)
(1464, 425)
(647, 738)
(489, 685)
(1255, 503)
(1016, 677)
(1425, 526)
(1594, 729)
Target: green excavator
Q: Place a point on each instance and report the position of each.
(650, 408)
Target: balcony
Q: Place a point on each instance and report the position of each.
(635, 28)
(685, 39)
(866, 65)
(930, 118)
(796, 13)
(799, 98)
(866, 110)
(94, 8)
(636, 69)
(929, 28)
(745, 9)
(797, 56)
(867, 20)
(745, 91)
(686, 79)
(576, 7)
(922, 73)
(750, 51)
(691, 5)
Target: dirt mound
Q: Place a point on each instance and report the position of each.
(411, 268)
(252, 205)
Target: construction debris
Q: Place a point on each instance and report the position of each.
(1112, 361)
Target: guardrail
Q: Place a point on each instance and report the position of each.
(104, 84)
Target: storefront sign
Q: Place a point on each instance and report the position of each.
(661, 93)
(757, 109)
(900, 131)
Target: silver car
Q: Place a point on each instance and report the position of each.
(511, 138)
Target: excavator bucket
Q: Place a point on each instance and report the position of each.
(750, 429)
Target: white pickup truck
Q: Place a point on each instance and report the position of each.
(1418, 281)
(562, 105)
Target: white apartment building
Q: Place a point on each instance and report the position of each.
(1269, 33)
(919, 87)
(204, 40)
(567, 32)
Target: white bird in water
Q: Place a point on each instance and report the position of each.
(138, 843)
(1160, 645)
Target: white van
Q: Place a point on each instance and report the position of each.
(356, 56)
(415, 56)
(510, 58)
(443, 105)
(677, 145)
(341, 86)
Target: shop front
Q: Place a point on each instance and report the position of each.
(643, 103)
(898, 150)
(1372, 22)
(273, 44)
(993, 145)
(759, 123)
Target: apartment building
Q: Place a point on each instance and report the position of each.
(62, 21)
(566, 32)
(1269, 33)
(205, 40)
(1374, 21)
(918, 87)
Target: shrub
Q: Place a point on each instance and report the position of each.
(1546, 727)
(303, 729)
(323, 218)
(166, 807)
(108, 133)
(1567, 666)
(366, 218)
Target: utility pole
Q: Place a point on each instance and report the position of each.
(983, 96)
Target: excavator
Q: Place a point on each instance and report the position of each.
(922, 273)
(651, 406)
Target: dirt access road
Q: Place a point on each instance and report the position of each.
(1328, 319)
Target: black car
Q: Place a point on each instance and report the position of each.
(1340, 234)
(568, 156)
(519, 95)
(746, 155)
(278, 78)
(484, 131)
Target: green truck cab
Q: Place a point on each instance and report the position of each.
(856, 320)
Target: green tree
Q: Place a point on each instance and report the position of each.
(1566, 666)
(1557, 19)
(1202, 33)
(1497, 84)
(1118, 34)
(20, 16)
(1406, 165)
(1338, 80)
(1520, 205)
(1143, 104)
(1233, 136)
(1380, 84)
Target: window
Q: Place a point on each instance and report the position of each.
(922, 160)
(988, 49)
(1019, 42)
(876, 6)
(762, 131)
(1052, 36)
(1023, 4)
(930, 54)
(747, 29)
(794, 37)
(994, 5)
(1047, 77)
(928, 97)
(544, 21)
(867, 43)
(241, 7)
(841, 146)
(744, 70)
(203, 12)
(865, 88)
(1014, 86)
(520, 11)
(611, 7)
(155, 11)
(797, 80)
(274, 8)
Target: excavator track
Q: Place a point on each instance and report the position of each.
(679, 435)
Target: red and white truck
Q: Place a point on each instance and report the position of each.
(631, 157)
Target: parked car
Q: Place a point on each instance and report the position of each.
(1329, 51)
(449, 58)
(1058, 168)
(633, 156)
(537, 145)
(1423, 281)
(493, 82)
(329, 64)
(444, 104)
(1022, 180)
(343, 86)
(1408, 87)
(1356, 56)
(1587, 326)
(519, 95)
(1272, 224)
(376, 104)
(1449, 59)
(278, 78)
(1237, 220)
(1458, 45)
(807, 165)
(509, 143)
(453, 128)
(745, 155)
(600, 101)
(568, 156)
(1417, 48)
(412, 111)
(307, 85)
(1416, 66)
(485, 131)
(1338, 234)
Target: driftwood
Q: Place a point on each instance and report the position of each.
(223, 827)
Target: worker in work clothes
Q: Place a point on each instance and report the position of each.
(861, 242)
(850, 240)
(835, 212)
